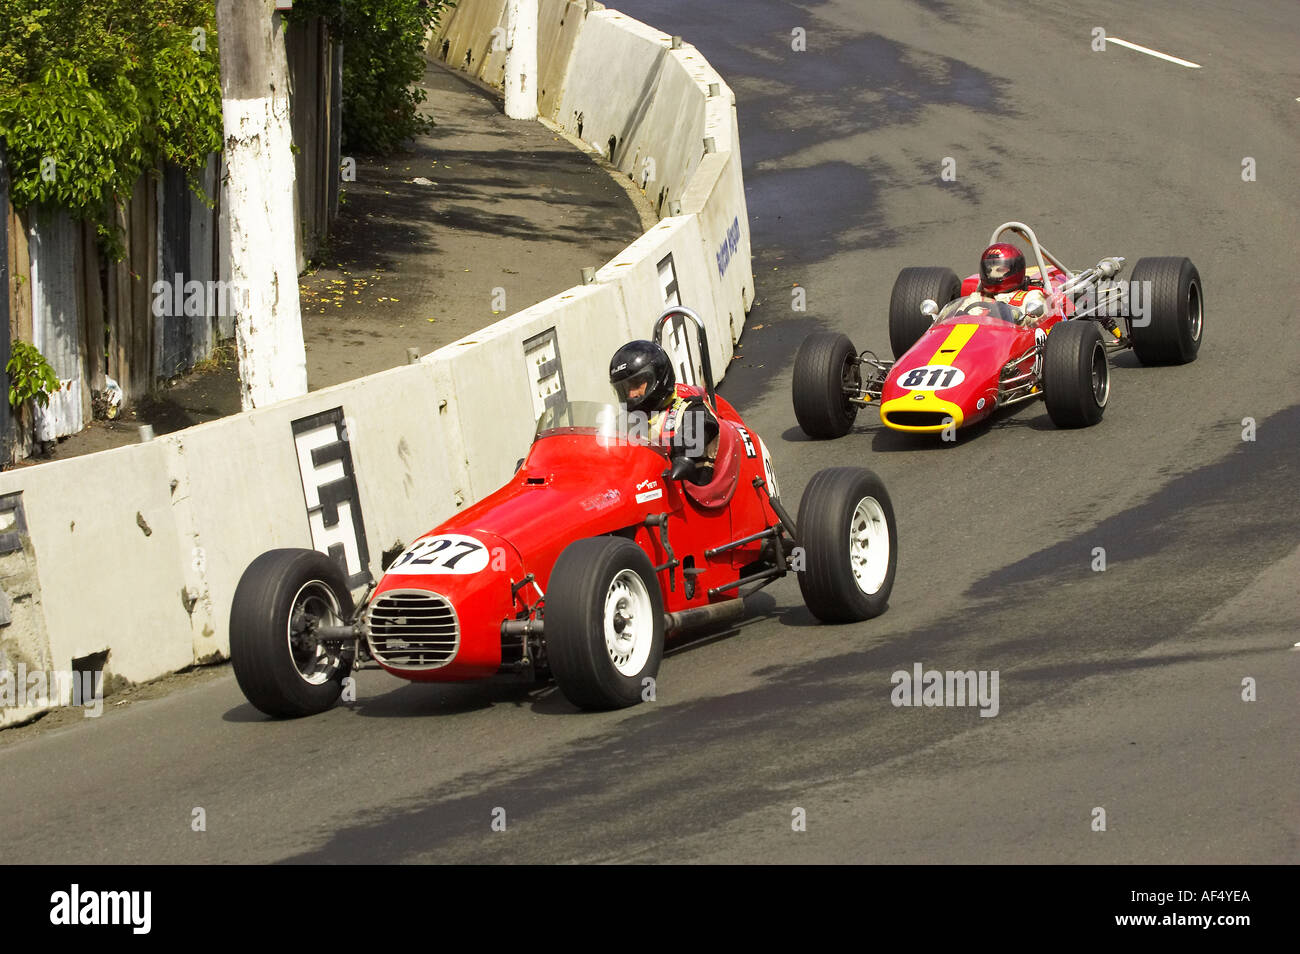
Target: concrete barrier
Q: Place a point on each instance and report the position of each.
(663, 116)
(497, 406)
(135, 553)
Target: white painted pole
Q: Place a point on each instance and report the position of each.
(258, 196)
(521, 59)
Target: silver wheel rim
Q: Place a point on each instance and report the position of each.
(1194, 310)
(869, 545)
(1100, 375)
(314, 602)
(629, 623)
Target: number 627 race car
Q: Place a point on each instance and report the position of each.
(576, 569)
(964, 349)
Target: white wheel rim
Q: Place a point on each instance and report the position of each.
(629, 625)
(869, 545)
(318, 665)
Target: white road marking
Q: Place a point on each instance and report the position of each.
(1150, 52)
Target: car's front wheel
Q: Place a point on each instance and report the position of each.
(911, 287)
(604, 623)
(825, 370)
(850, 545)
(1076, 374)
(281, 668)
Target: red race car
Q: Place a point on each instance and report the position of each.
(963, 349)
(577, 569)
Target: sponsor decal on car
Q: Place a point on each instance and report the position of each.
(601, 501)
(649, 490)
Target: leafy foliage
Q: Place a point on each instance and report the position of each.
(30, 376)
(383, 57)
(95, 92)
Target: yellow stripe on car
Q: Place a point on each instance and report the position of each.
(952, 345)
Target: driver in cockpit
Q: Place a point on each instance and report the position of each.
(1004, 291)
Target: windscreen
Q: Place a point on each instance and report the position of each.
(609, 424)
(975, 308)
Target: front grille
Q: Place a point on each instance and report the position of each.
(412, 629)
(918, 418)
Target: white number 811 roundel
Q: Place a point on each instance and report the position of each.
(447, 553)
(932, 377)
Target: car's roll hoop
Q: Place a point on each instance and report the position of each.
(701, 338)
(1042, 255)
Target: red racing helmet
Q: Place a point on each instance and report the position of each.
(1002, 269)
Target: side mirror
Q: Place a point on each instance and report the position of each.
(683, 469)
(1036, 308)
(929, 308)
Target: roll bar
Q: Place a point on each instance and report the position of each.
(701, 338)
(1041, 254)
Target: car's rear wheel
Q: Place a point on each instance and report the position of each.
(281, 669)
(823, 369)
(604, 623)
(913, 286)
(1076, 374)
(1170, 332)
(850, 545)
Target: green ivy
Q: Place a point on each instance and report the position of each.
(30, 376)
(383, 60)
(94, 93)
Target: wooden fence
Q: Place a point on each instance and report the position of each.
(157, 311)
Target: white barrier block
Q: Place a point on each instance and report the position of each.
(490, 378)
(107, 557)
(409, 469)
(665, 266)
(624, 85)
(558, 24)
(467, 32)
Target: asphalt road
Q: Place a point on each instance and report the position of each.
(1118, 690)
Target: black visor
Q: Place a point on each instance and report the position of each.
(625, 386)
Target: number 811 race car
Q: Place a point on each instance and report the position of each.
(599, 546)
(961, 354)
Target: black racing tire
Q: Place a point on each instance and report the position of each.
(1076, 374)
(913, 286)
(823, 367)
(280, 679)
(839, 505)
(593, 580)
(1177, 305)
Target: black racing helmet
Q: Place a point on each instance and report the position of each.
(643, 362)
